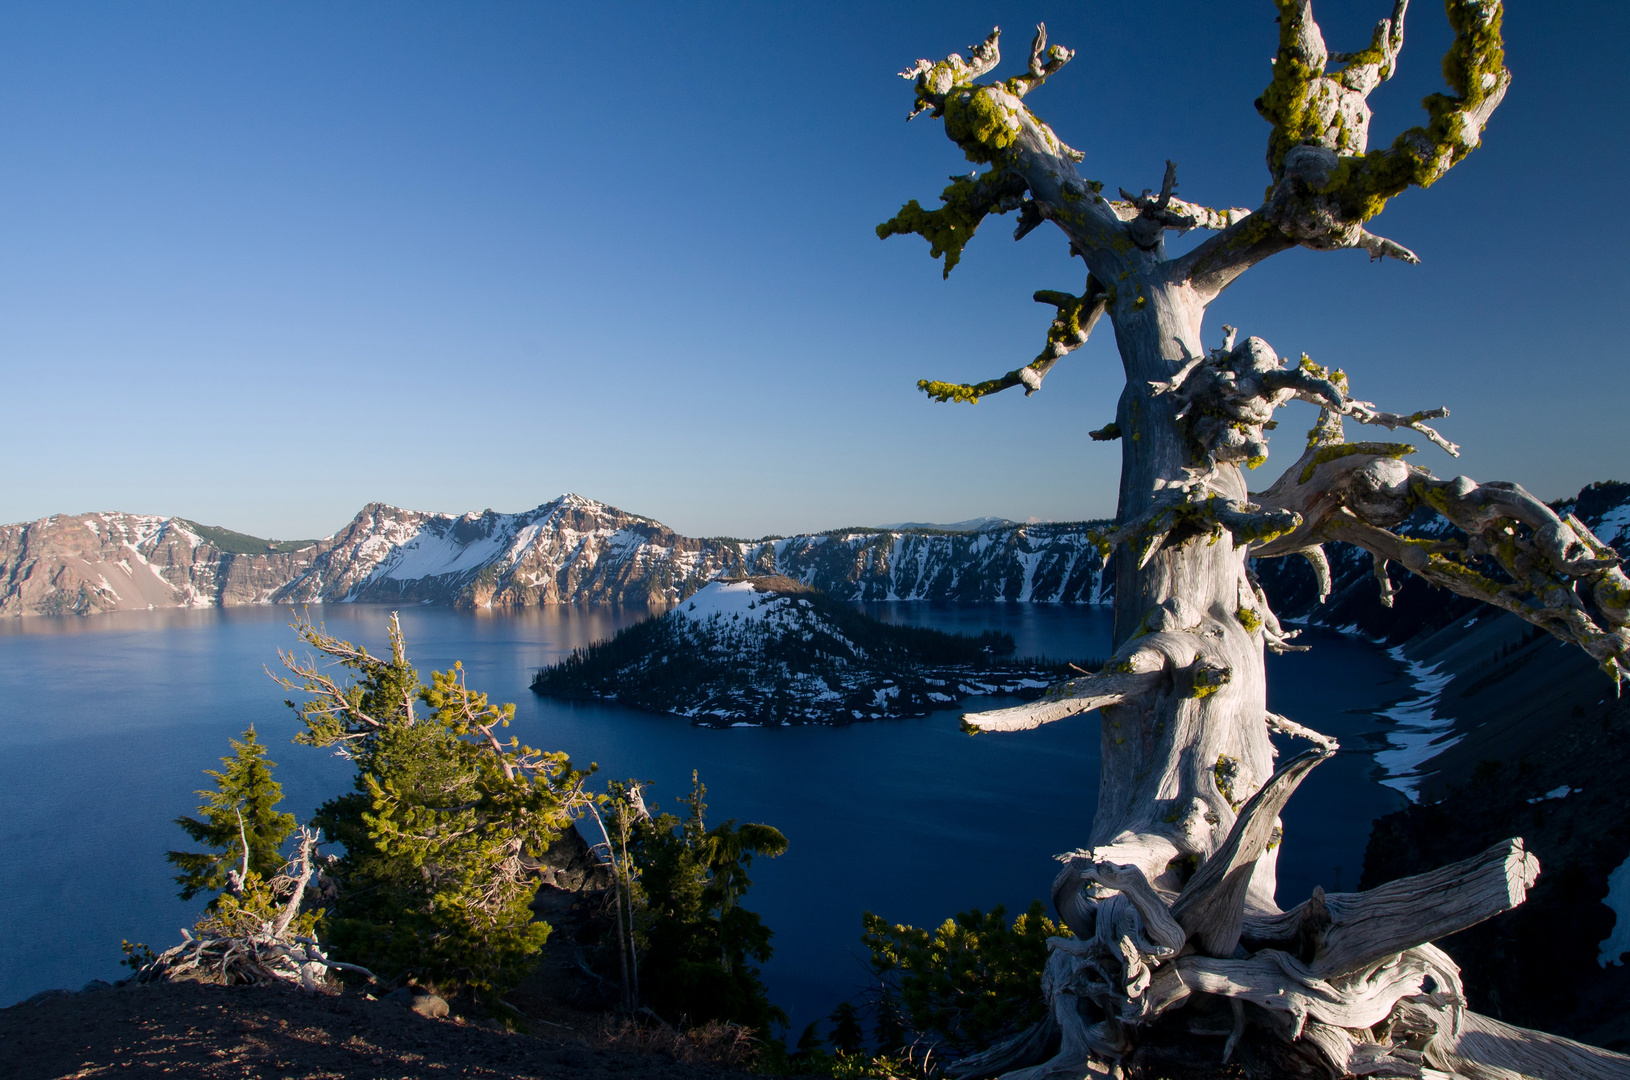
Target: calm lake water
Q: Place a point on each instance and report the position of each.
(107, 723)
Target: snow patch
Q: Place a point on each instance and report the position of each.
(1616, 944)
(1613, 524)
(1419, 733)
(430, 554)
(726, 600)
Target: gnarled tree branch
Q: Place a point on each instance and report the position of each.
(1551, 572)
(1071, 327)
(1327, 182)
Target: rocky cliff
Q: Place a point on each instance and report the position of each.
(570, 550)
(89, 563)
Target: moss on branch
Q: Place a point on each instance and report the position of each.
(1068, 332)
(967, 201)
(1309, 107)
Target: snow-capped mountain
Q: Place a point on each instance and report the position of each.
(576, 550)
(569, 550)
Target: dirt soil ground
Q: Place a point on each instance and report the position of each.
(196, 1030)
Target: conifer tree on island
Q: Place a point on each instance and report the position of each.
(1172, 902)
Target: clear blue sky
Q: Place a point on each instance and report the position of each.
(262, 263)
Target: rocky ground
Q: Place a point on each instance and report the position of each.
(196, 1030)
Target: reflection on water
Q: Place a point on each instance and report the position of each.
(106, 724)
(1054, 631)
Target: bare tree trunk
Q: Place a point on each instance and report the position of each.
(1172, 903)
(1177, 762)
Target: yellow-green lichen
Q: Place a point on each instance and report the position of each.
(1208, 680)
(967, 200)
(982, 121)
(1249, 619)
(1226, 772)
(1340, 450)
(945, 391)
(1465, 576)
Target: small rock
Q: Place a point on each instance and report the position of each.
(96, 984)
(419, 1000)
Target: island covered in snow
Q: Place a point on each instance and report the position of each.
(770, 650)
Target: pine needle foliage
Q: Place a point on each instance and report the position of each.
(971, 982)
(238, 818)
(444, 820)
(698, 944)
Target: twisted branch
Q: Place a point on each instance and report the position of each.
(1326, 181)
(1506, 547)
(1071, 327)
(1150, 217)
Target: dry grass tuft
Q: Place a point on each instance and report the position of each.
(715, 1043)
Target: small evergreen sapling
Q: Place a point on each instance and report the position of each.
(239, 822)
(698, 943)
(846, 1036)
(972, 981)
(260, 926)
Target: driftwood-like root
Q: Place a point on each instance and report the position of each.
(1350, 978)
(1211, 908)
(246, 949)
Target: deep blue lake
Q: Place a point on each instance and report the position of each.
(107, 723)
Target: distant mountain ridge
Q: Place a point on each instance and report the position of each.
(979, 524)
(576, 550)
(569, 550)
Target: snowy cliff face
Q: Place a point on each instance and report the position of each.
(89, 563)
(575, 550)
(1025, 563)
(570, 550)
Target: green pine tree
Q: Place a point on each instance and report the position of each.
(241, 812)
(970, 983)
(846, 1036)
(699, 943)
(433, 883)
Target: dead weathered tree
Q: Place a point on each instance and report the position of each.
(1172, 903)
(260, 932)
